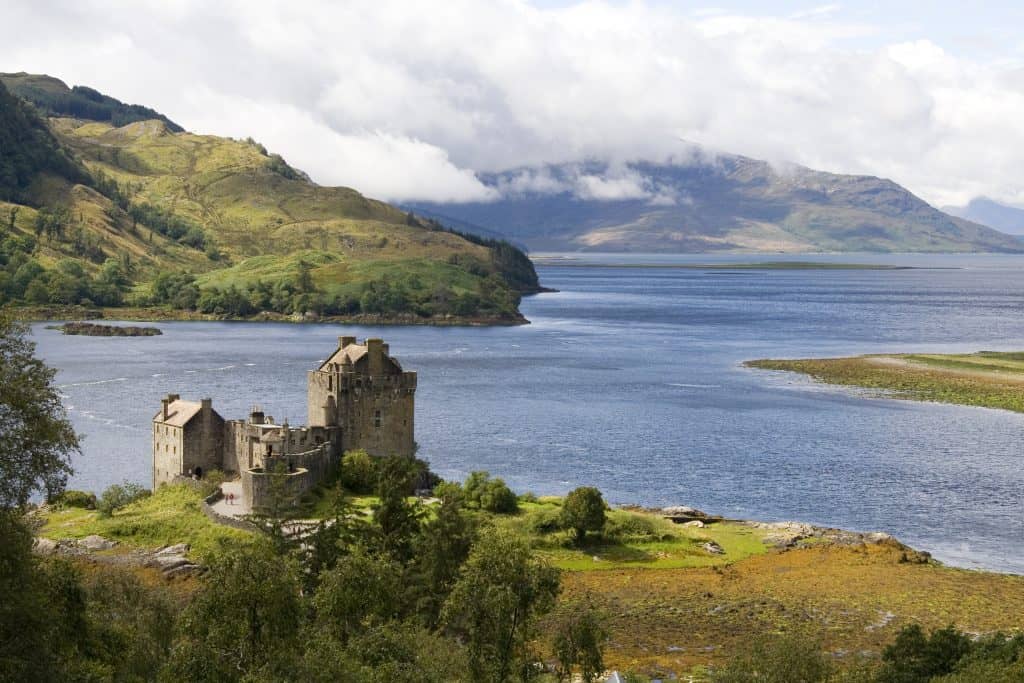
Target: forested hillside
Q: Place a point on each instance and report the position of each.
(140, 215)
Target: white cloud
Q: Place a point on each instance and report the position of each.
(405, 100)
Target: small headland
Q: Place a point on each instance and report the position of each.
(989, 379)
(96, 330)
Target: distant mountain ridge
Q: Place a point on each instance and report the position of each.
(1008, 219)
(714, 203)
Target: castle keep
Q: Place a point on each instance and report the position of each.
(359, 398)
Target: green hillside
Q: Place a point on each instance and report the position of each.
(52, 97)
(146, 217)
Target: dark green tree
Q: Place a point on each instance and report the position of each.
(495, 604)
(583, 510)
(396, 518)
(441, 549)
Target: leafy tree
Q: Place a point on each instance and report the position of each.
(37, 439)
(583, 510)
(361, 590)
(495, 604)
(579, 643)
(359, 471)
(244, 620)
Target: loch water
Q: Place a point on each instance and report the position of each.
(631, 380)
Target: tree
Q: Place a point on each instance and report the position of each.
(244, 620)
(397, 520)
(361, 590)
(492, 495)
(583, 510)
(117, 496)
(495, 604)
(37, 439)
(579, 642)
(441, 548)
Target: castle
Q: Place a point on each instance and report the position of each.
(359, 398)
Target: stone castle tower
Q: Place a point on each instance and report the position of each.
(362, 390)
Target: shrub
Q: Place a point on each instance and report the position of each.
(76, 499)
(497, 497)
(625, 527)
(544, 521)
(583, 511)
(492, 495)
(359, 471)
(119, 495)
(777, 660)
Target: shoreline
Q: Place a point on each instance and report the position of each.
(57, 314)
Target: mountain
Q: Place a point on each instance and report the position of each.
(142, 215)
(52, 97)
(1008, 219)
(713, 203)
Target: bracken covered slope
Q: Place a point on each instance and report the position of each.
(220, 226)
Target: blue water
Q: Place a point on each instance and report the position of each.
(630, 379)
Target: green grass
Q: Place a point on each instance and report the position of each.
(171, 515)
(987, 379)
(634, 539)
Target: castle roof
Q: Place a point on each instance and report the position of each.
(353, 351)
(179, 413)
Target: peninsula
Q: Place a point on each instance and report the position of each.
(989, 379)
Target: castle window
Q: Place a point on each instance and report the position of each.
(330, 383)
(376, 418)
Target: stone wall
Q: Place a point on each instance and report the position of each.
(214, 516)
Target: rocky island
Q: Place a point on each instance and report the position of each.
(96, 330)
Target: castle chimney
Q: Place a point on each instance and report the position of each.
(345, 341)
(207, 406)
(164, 402)
(375, 351)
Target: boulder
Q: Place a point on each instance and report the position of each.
(713, 548)
(178, 549)
(44, 546)
(95, 542)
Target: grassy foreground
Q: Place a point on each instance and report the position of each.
(669, 605)
(989, 379)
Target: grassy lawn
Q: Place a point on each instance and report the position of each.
(988, 379)
(171, 515)
(632, 539)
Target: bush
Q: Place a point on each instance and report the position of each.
(76, 499)
(625, 527)
(211, 481)
(492, 495)
(544, 521)
(119, 495)
(359, 471)
(777, 660)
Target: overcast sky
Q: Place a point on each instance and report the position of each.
(406, 100)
